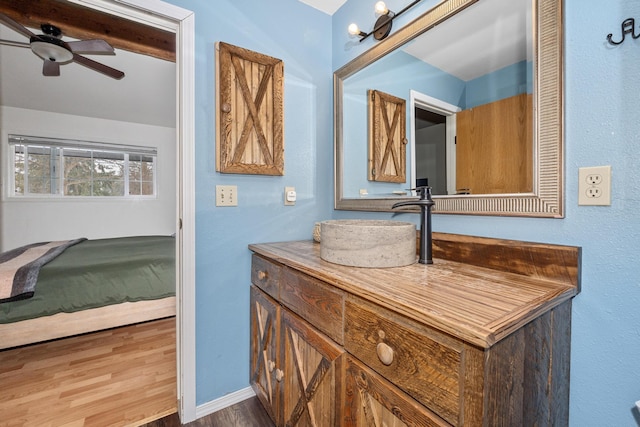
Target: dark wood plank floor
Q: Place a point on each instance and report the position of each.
(248, 413)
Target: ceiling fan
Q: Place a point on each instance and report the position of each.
(54, 51)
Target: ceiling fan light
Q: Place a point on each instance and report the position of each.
(51, 52)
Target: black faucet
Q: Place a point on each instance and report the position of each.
(426, 203)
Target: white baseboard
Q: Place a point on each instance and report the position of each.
(224, 402)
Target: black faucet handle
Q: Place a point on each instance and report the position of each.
(424, 192)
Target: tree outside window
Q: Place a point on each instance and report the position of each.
(74, 171)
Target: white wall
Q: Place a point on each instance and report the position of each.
(24, 221)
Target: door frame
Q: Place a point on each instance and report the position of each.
(180, 21)
(435, 105)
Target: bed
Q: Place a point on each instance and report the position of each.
(94, 285)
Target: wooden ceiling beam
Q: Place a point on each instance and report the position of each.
(83, 23)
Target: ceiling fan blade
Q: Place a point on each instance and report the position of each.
(14, 25)
(94, 46)
(50, 68)
(14, 43)
(101, 68)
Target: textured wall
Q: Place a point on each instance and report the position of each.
(602, 128)
(602, 83)
(298, 35)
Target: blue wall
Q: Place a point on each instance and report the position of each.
(602, 84)
(300, 36)
(601, 128)
(500, 84)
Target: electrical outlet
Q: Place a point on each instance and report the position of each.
(226, 195)
(594, 186)
(594, 178)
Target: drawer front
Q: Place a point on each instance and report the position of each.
(266, 275)
(316, 302)
(370, 400)
(425, 364)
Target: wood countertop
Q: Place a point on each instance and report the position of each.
(478, 289)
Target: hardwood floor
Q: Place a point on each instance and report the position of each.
(119, 377)
(248, 413)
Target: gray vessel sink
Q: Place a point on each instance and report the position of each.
(368, 243)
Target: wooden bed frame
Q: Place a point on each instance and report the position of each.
(67, 324)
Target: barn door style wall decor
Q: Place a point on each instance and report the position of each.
(387, 137)
(249, 112)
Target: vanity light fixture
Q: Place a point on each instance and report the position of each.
(382, 27)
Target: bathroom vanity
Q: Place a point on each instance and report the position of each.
(479, 338)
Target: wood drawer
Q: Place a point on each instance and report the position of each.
(370, 400)
(424, 363)
(316, 302)
(266, 275)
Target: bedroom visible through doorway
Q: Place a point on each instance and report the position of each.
(175, 20)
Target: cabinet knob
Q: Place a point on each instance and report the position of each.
(270, 365)
(385, 353)
(262, 275)
(279, 375)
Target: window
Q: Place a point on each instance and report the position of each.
(58, 167)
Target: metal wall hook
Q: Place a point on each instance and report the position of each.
(627, 27)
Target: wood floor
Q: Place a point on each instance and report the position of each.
(248, 413)
(120, 377)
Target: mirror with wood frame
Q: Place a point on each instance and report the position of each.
(523, 182)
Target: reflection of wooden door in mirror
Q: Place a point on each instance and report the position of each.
(387, 137)
(494, 147)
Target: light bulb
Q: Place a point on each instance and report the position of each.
(381, 8)
(354, 30)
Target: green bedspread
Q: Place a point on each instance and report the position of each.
(96, 273)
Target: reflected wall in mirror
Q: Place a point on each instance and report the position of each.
(503, 105)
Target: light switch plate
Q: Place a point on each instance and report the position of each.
(290, 196)
(226, 195)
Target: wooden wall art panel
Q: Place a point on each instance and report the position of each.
(249, 112)
(387, 137)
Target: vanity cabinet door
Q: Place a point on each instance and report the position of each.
(265, 328)
(372, 401)
(313, 370)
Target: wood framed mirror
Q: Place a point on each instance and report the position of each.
(544, 195)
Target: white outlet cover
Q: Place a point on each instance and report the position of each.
(594, 186)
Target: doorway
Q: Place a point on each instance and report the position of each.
(180, 21)
(431, 149)
(433, 133)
